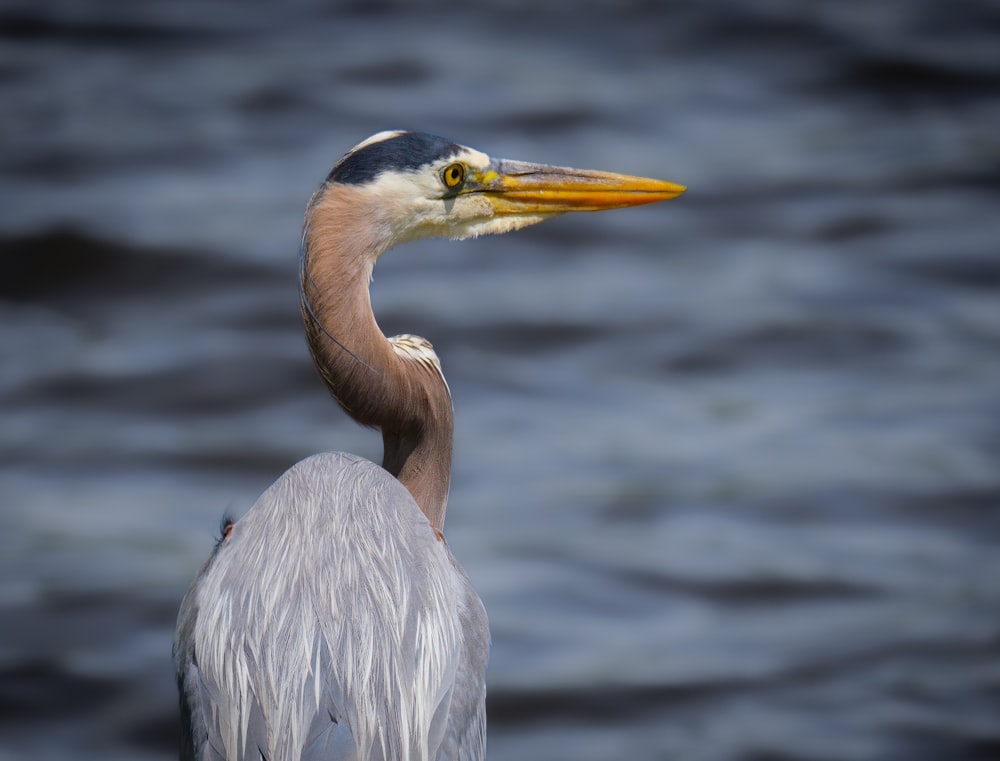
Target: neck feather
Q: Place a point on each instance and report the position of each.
(395, 385)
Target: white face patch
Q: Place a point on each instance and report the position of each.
(473, 159)
(403, 204)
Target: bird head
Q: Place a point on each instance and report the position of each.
(412, 185)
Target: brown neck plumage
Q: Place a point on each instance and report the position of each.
(400, 392)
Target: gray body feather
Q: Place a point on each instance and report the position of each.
(332, 624)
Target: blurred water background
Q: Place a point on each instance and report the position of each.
(727, 468)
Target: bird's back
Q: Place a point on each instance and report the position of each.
(332, 623)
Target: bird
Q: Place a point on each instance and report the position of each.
(332, 622)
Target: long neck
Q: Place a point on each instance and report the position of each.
(400, 391)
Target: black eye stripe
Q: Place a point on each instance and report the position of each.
(408, 151)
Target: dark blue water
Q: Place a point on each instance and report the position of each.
(727, 470)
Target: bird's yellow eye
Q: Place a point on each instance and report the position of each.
(453, 175)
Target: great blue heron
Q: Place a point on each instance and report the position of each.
(332, 622)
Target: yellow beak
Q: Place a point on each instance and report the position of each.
(517, 187)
